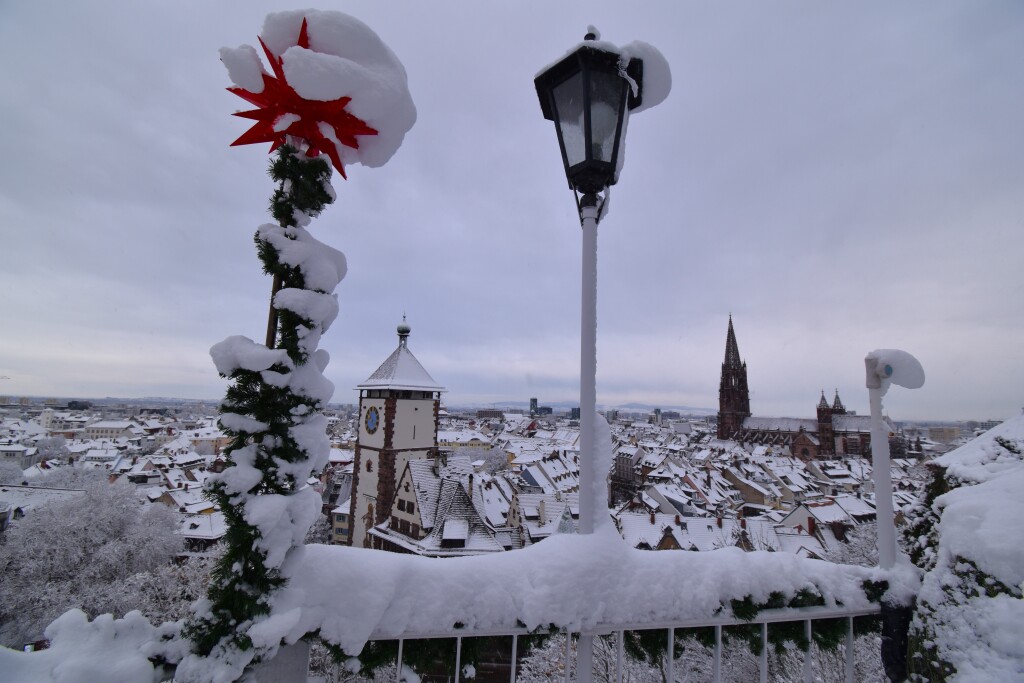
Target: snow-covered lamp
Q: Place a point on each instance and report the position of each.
(885, 367)
(589, 94)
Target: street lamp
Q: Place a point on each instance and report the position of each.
(885, 367)
(588, 94)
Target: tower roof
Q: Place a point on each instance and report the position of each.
(732, 349)
(837, 404)
(401, 370)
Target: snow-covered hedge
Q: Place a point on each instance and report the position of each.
(969, 623)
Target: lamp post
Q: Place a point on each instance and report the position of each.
(884, 367)
(588, 94)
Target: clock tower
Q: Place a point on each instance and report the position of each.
(398, 420)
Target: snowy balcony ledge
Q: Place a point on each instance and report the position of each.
(591, 584)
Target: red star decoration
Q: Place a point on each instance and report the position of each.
(279, 99)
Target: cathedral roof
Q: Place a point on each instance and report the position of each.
(782, 424)
(401, 370)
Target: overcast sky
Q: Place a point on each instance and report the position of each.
(839, 177)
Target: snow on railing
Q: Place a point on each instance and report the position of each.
(584, 585)
(805, 615)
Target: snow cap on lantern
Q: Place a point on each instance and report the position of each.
(344, 59)
(892, 366)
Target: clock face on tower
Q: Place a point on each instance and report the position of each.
(372, 420)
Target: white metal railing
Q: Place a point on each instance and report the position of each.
(807, 615)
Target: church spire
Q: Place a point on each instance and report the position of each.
(732, 349)
(837, 405)
(733, 394)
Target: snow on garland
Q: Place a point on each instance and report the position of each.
(336, 90)
(333, 79)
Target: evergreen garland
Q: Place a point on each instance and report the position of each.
(241, 583)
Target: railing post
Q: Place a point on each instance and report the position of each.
(716, 666)
(515, 652)
(808, 677)
(670, 663)
(584, 658)
(850, 663)
(568, 653)
(619, 648)
(763, 665)
(458, 658)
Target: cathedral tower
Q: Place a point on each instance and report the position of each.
(733, 394)
(398, 420)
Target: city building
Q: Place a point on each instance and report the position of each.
(398, 418)
(833, 431)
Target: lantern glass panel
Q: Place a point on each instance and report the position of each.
(568, 96)
(606, 94)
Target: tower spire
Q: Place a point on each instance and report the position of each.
(837, 404)
(733, 394)
(403, 333)
(732, 349)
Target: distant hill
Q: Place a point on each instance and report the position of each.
(565, 406)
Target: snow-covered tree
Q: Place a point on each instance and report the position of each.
(52, 447)
(95, 551)
(320, 531)
(10, 473)
(67, 477)
(694, 661)
(860, 547)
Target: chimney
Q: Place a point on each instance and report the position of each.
(743, 522)
(811, 526)
(652, 518)
(719, 519)
(679, 522)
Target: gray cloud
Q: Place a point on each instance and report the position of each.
(838, 177)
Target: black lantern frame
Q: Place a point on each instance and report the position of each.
(588, 96)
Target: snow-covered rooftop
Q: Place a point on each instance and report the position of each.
(401, 370)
